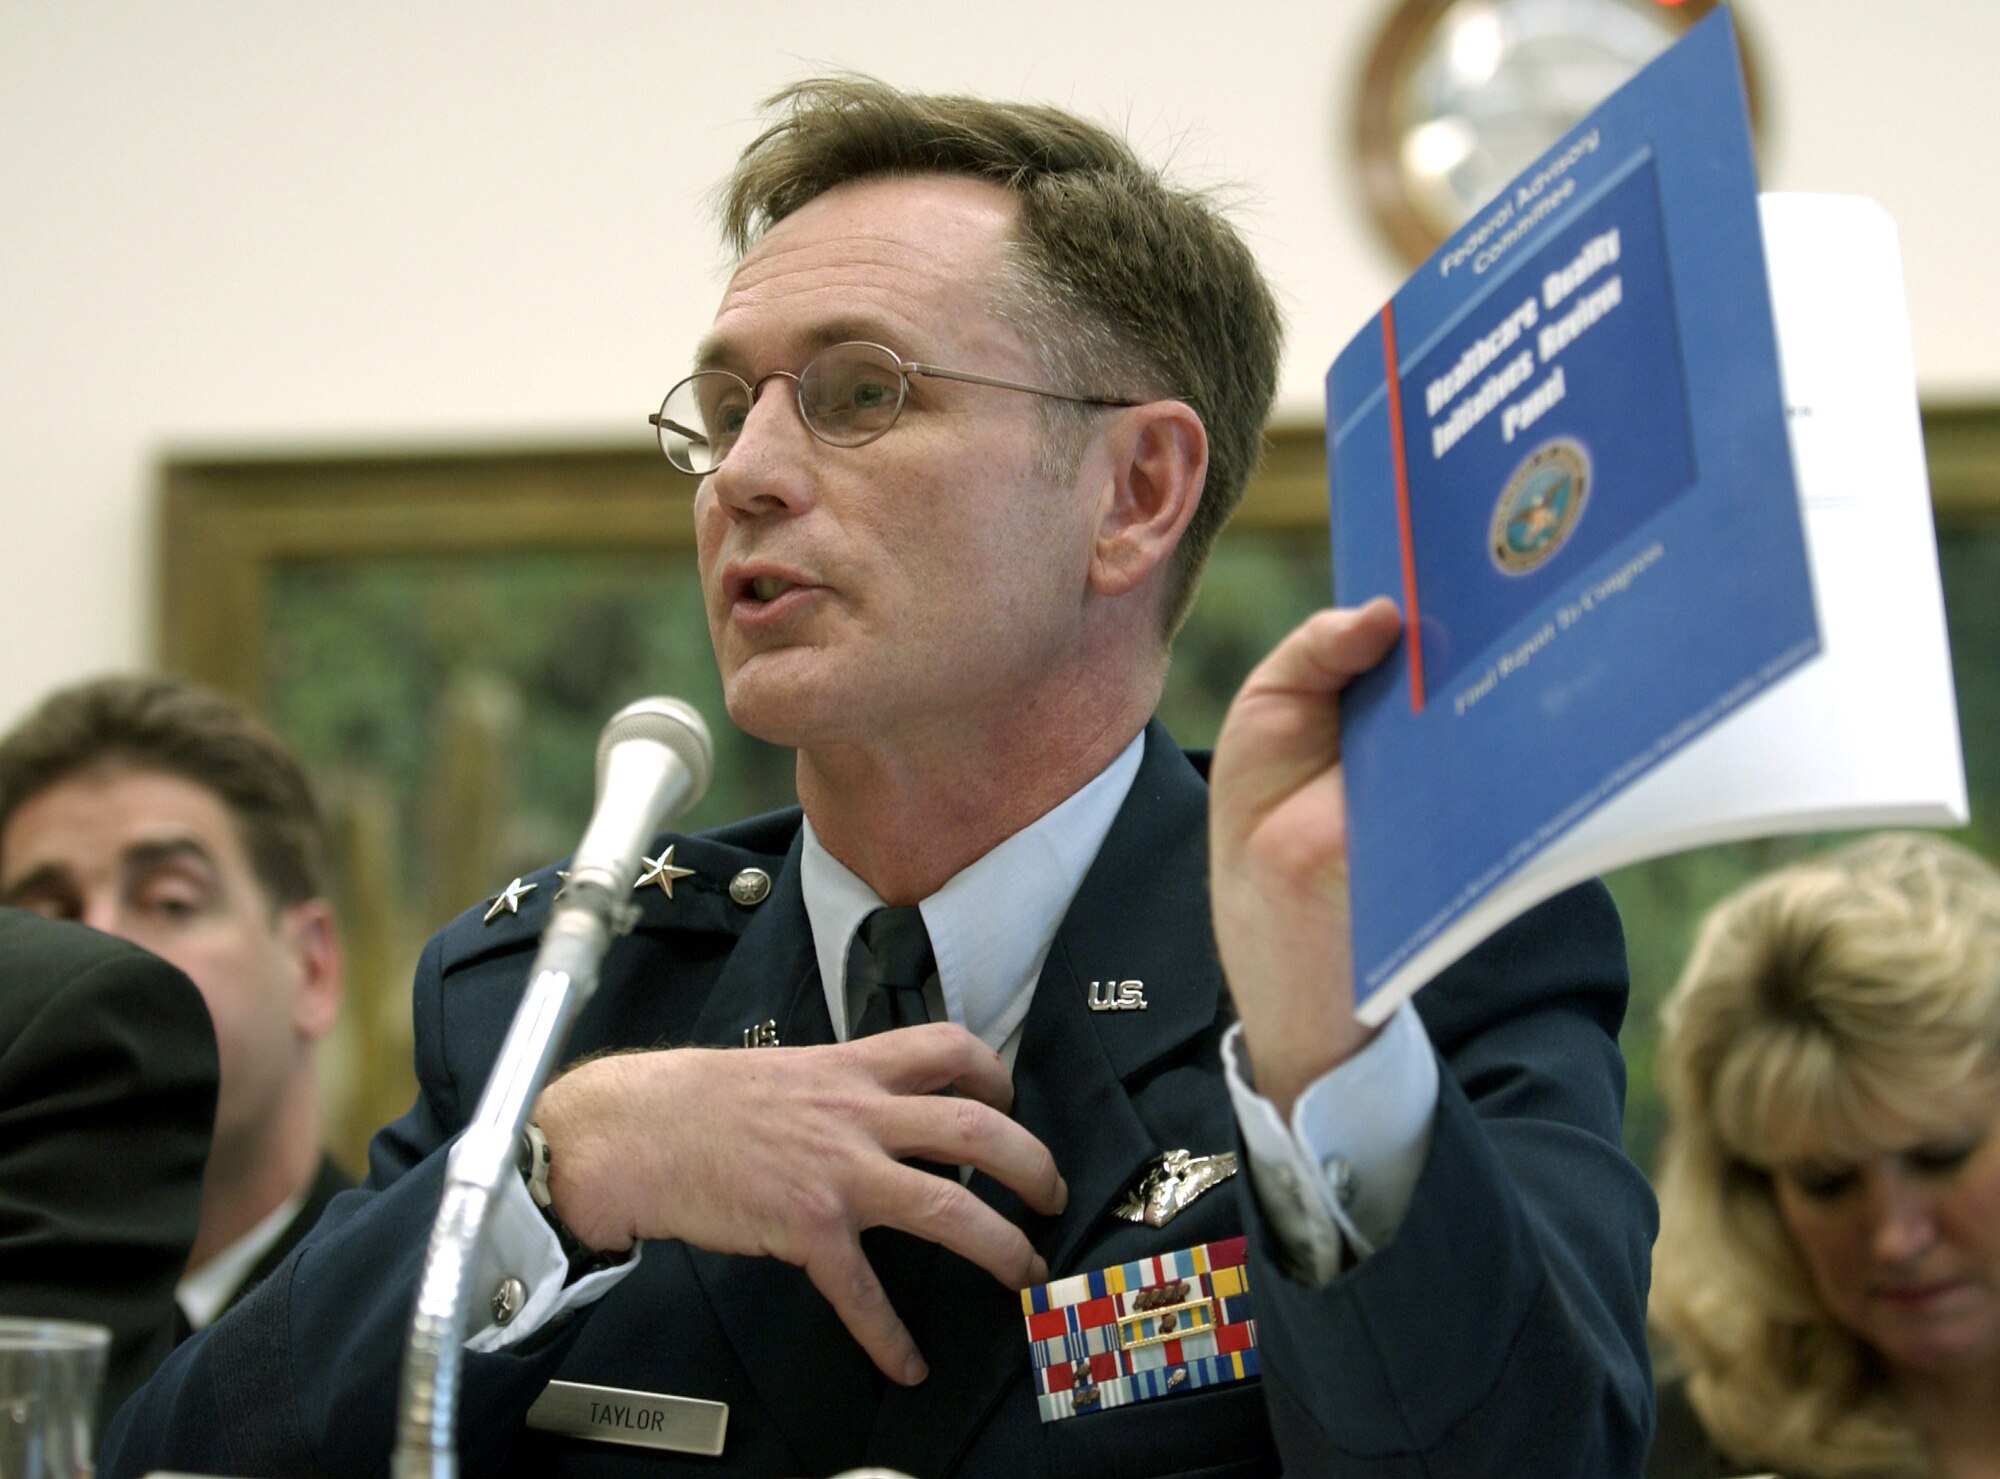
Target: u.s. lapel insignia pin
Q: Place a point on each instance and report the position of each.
(1171, 1183)
(661, 871)
(762, 1034)
(1136, 1331)
(508, 900)
(1118, 996)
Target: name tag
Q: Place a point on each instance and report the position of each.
(640, 1419)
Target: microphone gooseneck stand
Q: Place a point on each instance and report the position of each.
(653, 762)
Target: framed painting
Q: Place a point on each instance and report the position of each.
(442, 637)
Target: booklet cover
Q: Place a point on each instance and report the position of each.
(1562, 449)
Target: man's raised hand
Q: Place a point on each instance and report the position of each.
(1277, 839)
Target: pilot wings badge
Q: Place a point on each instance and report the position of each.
(1171, 1183)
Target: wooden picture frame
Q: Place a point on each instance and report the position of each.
(238, 535)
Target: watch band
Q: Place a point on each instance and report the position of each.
(535, 1166)
(533, 1159)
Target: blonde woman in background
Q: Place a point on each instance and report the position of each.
(1828, 1267)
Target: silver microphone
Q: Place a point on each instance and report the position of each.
(654, 760)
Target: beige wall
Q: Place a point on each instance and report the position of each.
(229, 225)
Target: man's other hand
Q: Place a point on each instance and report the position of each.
(792, 1152)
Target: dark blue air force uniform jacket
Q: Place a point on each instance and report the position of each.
(1500, 1333)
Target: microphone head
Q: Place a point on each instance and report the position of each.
(662, 721)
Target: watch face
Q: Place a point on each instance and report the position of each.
(1461, 95)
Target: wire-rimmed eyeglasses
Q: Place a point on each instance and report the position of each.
(848, 395)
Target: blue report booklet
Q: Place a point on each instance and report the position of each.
(1562, 449)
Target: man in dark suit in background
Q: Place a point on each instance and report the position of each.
(107, 1094)
(980, 394)
(165, 814)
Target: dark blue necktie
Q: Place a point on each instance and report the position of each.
(887, 969)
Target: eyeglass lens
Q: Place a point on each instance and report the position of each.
(847, 394)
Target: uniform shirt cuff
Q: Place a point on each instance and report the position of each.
(520, 1244)
(1338, 1180)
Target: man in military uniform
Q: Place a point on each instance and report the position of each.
(979, 395)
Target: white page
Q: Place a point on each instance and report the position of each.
(1866, 734)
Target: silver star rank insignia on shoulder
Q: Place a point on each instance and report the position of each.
(508, 900)
(1171, 1183)
(661, 871)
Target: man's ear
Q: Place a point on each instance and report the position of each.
(313, 939)
(1159, 460)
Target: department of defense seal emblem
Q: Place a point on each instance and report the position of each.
(1539, 507)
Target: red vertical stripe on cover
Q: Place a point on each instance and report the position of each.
(1395, 387)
